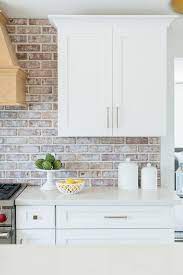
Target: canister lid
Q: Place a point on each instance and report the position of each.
(128, 162)
(149, 166)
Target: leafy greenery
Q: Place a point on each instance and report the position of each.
(49, 163)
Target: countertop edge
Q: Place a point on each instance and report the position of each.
(87, 199)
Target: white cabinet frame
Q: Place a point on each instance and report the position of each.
(156, 24)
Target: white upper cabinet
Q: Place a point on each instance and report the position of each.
(85, 81)
(112, 75)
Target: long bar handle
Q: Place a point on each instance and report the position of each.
(117, 116)
(116, 217)
(108, 109)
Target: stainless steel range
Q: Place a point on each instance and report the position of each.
(8, 193)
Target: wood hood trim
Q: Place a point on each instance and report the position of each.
(12, 77)
(177, 5)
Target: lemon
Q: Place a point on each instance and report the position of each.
(79, 181)
(70, 181)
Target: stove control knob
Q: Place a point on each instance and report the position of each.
(3, 218)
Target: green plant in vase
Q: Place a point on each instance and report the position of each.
(49, 164)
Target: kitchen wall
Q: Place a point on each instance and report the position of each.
(28, 133)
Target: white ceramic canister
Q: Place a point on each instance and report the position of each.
(149, 177)
(128, 175)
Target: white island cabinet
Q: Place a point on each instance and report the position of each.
(112, 73)
(95, 216)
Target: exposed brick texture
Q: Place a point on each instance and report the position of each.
(28, 133)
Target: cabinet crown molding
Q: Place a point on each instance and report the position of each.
(56, 19)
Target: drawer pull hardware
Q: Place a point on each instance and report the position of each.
(108, 109)
(115, 217)
(117, 116)
(35, 217)
(5, 235)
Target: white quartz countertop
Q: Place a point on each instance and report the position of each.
(97, 196)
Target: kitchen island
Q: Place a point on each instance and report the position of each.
(100, 215)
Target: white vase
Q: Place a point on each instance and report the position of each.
(50, 183)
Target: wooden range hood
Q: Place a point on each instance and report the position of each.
(177, 5)
(12, 77)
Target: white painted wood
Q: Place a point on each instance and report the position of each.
(113, 217)
(85, 81)
(60, 19)
(36, 236)
(28, 217)
(114, 236)
(168, 141)
(96, 216)
(114, 62)
(140, 77)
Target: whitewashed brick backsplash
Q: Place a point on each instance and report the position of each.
(29, 133)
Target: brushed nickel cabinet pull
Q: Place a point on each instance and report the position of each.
(108, 109)
(115, 217)
(117, 116)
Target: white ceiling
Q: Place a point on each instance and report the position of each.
(41, 8)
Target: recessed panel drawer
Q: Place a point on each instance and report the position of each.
(28, 217)
(113, 217)
(91, 237)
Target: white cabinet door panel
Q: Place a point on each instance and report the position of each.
(113, 236)
(139, 84)
(36, 236)
(85, 81)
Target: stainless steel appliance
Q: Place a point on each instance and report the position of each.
(179, 181)
(8, 193)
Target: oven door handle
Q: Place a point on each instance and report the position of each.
(5, 235)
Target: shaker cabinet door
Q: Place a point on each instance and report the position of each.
(139, 79)
(85, 81)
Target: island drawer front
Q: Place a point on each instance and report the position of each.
(113, 217)
(36, 236)
(28, 217)
(113, 236)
